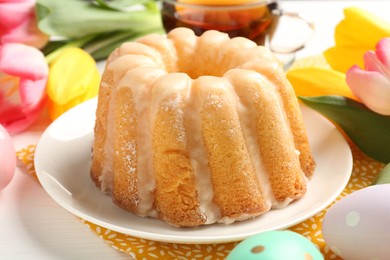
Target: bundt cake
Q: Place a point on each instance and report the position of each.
(197, 130)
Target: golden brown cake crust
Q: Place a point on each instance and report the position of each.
(100, 127)
(294, 115)
(125, 191)
(176, 194)
(276, 146)
(236, 189)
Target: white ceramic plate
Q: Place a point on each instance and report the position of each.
(62, 162)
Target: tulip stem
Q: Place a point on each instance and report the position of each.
(76, 43)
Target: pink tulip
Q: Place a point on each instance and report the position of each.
(23, 76)
(372, 85)
(18, 23)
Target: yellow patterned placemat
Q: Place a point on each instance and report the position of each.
(364, 171)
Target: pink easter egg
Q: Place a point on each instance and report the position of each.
(7, 158)
(358, 226)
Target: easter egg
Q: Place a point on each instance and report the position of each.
(7, 158)
(275, 245)
(358, 226)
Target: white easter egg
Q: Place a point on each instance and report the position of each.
(358, 226)
(7, 158)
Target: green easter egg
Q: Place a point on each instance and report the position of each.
(276, 245)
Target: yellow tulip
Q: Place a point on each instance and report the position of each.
(315, 81)
(357, 33)
(73, 79)
(342, 58)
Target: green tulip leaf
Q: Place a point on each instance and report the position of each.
(77, 18)
(104, 44)
(384, 176)
(119, 5)
(369, 131)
